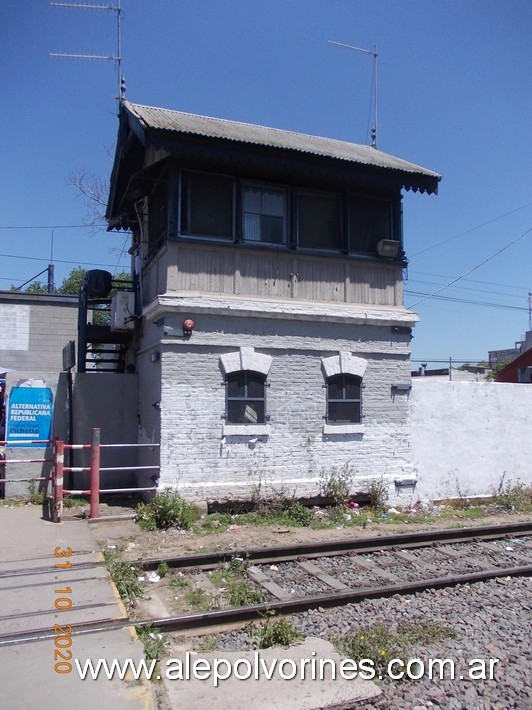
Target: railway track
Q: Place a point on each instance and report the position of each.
(297, 578)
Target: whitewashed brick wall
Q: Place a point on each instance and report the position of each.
(204, 464)
(467, 435)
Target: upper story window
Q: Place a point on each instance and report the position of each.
(264, 214)
(344, 400)
(319, 220)
(370, 220)
(207, 205)
(278, 215)
(246, 397)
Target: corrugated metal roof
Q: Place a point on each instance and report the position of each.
(188, 123)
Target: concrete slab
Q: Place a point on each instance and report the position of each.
(297, 693)
(29, 579)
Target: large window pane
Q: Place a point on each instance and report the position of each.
(264, 214)
(319, 221)
(370, 221)
(207, 205)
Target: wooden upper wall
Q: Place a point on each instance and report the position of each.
(207, 269)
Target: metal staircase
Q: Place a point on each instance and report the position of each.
(101, 347)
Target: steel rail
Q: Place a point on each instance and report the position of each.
(263, 555)
(203, 620)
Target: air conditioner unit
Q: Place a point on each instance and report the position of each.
(388, 248)
(122, 310)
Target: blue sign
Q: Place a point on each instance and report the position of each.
(29, 415)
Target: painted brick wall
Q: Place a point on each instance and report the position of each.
(467, 435)
(206, 465)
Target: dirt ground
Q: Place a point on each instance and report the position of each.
(135, 543)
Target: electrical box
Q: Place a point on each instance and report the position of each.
(122, 310)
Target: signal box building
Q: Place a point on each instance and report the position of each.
(271, 341)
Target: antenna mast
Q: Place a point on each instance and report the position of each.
(372, 53)
(113, 58)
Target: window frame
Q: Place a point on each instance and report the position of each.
(246, 398)
(341, 200)
(184, 198)
(292, 237)
(277, 187)
(355, 379)
(394, 232)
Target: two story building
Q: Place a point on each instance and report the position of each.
(271, 341)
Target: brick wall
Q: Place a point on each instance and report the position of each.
(206, 464)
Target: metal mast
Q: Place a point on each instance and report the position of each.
(372, 53)
(107, 57)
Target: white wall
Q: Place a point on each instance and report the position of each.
(466, 435)
(206, 463)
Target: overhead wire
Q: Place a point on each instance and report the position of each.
(468, 231)
(485, 261)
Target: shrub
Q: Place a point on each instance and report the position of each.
(300, 514)
(166, 510)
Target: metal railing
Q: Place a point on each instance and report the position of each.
(94, 469)
(4, 461)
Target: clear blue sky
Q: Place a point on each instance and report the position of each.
(454, 96)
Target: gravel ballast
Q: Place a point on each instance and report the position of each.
(490, 620)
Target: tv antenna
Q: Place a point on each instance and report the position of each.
(106, 57)
(372, 53)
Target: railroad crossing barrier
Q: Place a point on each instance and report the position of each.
(94, 469)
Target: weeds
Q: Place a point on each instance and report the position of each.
(198, 599)
(462, 502)
(378, 494)
(153, 641)
(124, 575)
(37, 497)
(277, 633)
(209, 643)
(71, 502)
(380, 644)
(234, 584)
(179, 581)
(162, 569)
(512, 496)
(166, 510)
(336, 483)
(300, 515)
(242, 593)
